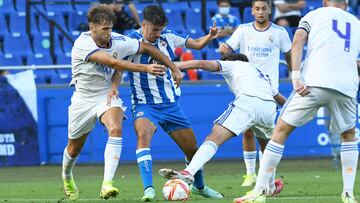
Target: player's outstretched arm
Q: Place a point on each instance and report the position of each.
(156, 54)
(104, 58)
(212, 66)
(201, 42)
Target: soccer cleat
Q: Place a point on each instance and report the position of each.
(70, 189)
(183, 175)
(251, 197)
(149, 195)
(249, 180)
(279, 185)
(108, 190)
(346, 198)
(206, 192)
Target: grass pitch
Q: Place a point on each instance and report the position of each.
(314, 181)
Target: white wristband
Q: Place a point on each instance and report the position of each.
(295, 74)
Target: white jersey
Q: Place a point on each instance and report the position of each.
(93, 80)
(332, 49)
(279, 14)
(262, 47)
(150, 89)
(244, 78)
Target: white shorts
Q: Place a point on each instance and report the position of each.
(247, 112)
(83, 114)
(299, 110)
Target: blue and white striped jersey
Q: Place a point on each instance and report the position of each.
(150, 89)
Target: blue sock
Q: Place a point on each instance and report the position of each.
(145, 166)
(198, 177)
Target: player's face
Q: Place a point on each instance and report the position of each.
(261, 11)
(151, 32)
(101, 33)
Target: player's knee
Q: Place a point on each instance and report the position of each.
(143, 134)
(349, 135)
(73, 150)
(115, 130)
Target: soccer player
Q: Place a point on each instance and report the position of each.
(328, 78)
(253, 108)
(155, 99)
(261, 41)
(95, 55)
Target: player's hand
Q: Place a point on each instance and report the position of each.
(177, 75)
(213, 32)
(224, 48)
(300, 87)
(113, 94)
(156, 69)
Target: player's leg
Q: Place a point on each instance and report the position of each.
(112, 119)
(70, 156)
(343, 118)
(145, 129)
(249, 152)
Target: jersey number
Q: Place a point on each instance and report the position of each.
(345, 36)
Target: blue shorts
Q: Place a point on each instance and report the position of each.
(169, 116)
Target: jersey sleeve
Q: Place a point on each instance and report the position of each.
(127, 47)
(305, 22)
(224, 67)
(83, 48)
(285, 42)
(234, 40)
(178, 40)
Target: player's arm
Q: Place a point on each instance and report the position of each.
(280, 99)
(201, 42)
(288, 59)
(104, 58)
(114, 92)
(212, 66)
(156, 54)
(298, 43)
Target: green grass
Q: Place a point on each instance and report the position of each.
(313, 180)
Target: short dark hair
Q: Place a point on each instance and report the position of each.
(234, 57)
(221, 1)
(266, 1)
(101, 14)
(155, 15)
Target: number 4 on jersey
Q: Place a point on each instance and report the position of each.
(345, 36)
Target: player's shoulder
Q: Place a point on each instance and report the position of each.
(118, 37)
(84, 40)
(135, 34)
(277, 28)
(170, 34)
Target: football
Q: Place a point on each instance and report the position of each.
(176, 190)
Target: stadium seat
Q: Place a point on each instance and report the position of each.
(60, 6)
(44, 25)
(17, 23)
(45, 76)
(247, 16)
(311, 5)
(41, 44)
(176, 22)
(21, 6)
(39, 59)
(4, 29)
(64, 75)
(84, 5)
(63, 59)
(18, 44)
(181, 6)
(193, 19)
(78, 21)
(283, 70)
(197, 54)
(211, 6)
(212, 54)
(235, 12)
(7, 7)
(290, 31)
(10, 60)
(194, 34)
(66, 44)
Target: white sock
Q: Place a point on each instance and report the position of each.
(111, 157)
(206, 151)
(349, 158)
(68, 164)
(250, 162)
(271, 158)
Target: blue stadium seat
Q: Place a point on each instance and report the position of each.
(66, 44)
(4, 29)
(182, 6)
(84, 5)
(7, 7)
(61, 6)
(10, 60)
(290, 31)
(175, 22)
(17, 23)
(21, 6)
(193, 19)
(211, 6)
(212, 54)
(283, 70)
(39, 59)
(194, 34)
(197, 54)
(235, 12)
(44, 25)
(247, 16)
(45, 76)
(78, 21)
(64, 75)
(311, 5)
(63, 59)
(18, 44)
(41, 44)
